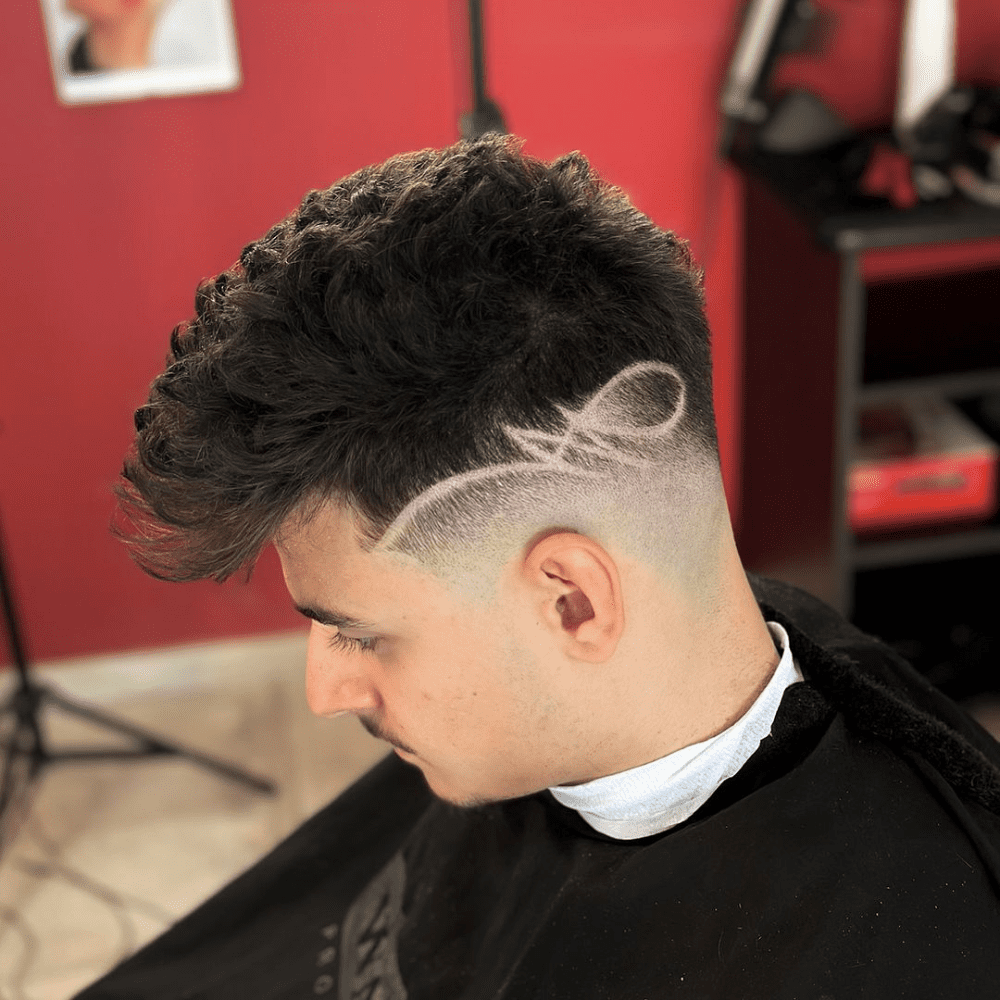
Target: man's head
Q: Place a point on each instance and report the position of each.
(390, 332)
(489, 374)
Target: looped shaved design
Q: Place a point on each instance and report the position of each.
(624, 432)
(628, 411)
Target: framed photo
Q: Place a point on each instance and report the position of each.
(121, 50)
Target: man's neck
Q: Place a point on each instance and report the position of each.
(121, 43)
(694, 670)
(647, 800)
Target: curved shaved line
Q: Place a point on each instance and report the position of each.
(594, 430)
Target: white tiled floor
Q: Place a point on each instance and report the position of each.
(110, 854)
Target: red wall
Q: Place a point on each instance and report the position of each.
(112, 214)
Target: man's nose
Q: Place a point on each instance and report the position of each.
(335, 680)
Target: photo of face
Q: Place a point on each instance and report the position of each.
(117, 34)
(111, 50)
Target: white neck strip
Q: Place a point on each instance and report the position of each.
(656, 796)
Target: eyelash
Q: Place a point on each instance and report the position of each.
(346, 644)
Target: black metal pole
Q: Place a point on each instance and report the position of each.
(485, 115)
(14, 641)
(477, 59)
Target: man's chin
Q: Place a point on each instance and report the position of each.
(461, 798)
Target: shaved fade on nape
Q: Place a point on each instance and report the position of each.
(622, 468)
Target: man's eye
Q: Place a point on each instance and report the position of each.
(345, 643)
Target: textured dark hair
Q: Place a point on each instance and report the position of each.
(380, 338)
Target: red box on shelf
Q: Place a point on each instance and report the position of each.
(920, 461)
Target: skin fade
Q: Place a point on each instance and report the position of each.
(622, 456)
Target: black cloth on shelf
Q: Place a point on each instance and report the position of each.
(855, 855)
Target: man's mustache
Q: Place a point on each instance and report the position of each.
(376, 729)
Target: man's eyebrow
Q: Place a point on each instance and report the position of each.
(334, 619)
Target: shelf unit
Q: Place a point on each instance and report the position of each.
(849, 304)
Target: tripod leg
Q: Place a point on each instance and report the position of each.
(150, 745)
(29, 696)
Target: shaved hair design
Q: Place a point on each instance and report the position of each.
(618, 460)
(450, 343)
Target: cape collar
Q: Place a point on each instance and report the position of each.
(652, 798)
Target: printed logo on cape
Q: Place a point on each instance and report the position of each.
(369, 969)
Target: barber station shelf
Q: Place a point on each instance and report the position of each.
(954, 385)
(850, 304)
(945, 542)
(846, 222)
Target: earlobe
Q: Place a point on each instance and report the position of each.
(580, 590)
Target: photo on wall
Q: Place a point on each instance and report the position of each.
(121, 50)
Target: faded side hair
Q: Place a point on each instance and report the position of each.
(620, 468)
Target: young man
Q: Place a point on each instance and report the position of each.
(467, 396)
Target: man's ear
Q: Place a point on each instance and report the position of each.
(577, 586)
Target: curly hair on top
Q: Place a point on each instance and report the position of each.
(382, 336)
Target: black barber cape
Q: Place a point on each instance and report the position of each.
(856, 855)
